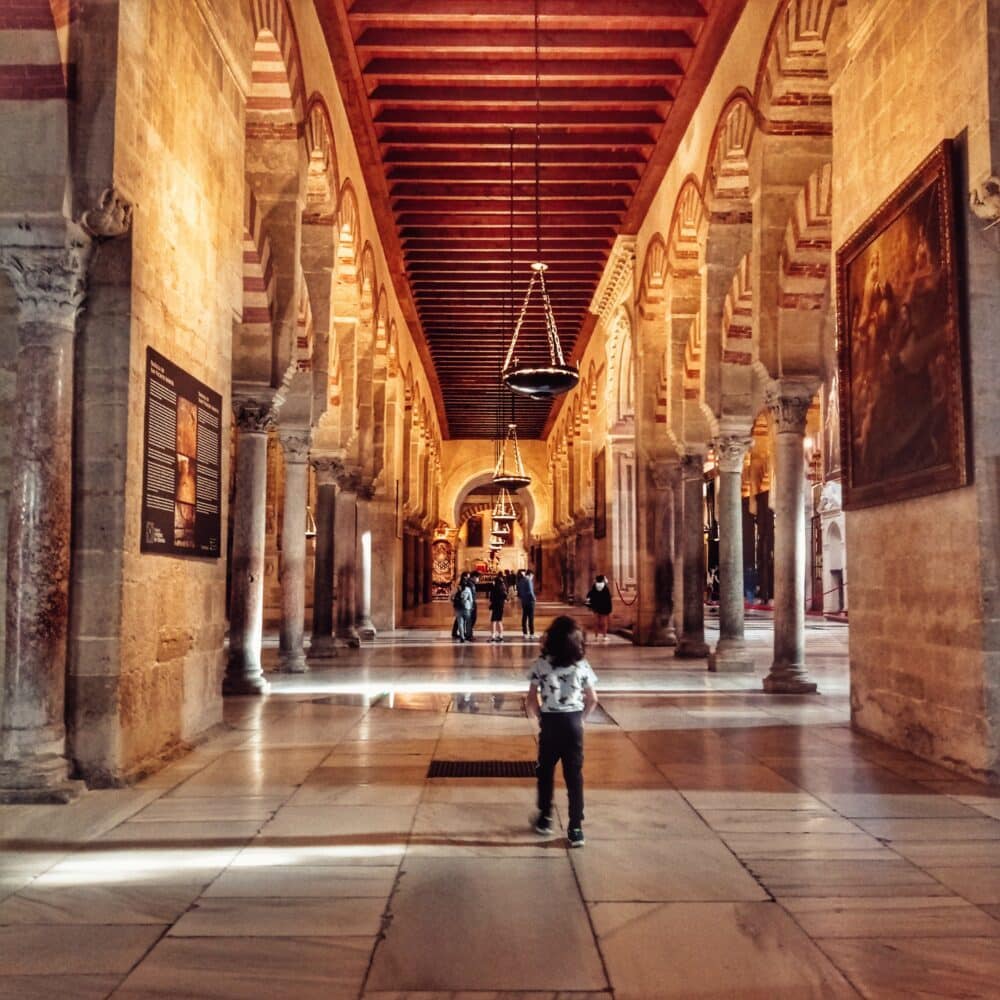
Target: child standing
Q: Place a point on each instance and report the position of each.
(564, 681)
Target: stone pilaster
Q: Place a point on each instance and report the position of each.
(345, 564)
(731, 654)
(50, 283)
(660, 553)
(365, 625)
(692, 641)
(789, 401)
(244, 673)
(292, 565)
(321, 644)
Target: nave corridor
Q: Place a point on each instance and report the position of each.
(739, 845)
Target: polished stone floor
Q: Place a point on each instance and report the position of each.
(738, 845)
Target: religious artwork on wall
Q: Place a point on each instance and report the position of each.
(474, 533)
(831, 429)
(902, 410)
(181, 467)
(442, 566)
(600, 495)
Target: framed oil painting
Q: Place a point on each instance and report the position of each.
(900, 355)
(600, 495)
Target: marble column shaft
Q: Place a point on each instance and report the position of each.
(664, 481)
(50, 283)
(692, 642)
(789, 405)
(365, 625)
(730, 652)
(292, 566)
(321, 643)
(244, 672)
(345, 561)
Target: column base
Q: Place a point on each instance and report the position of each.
(294, 662)
(691, 649)
(350, 638)
(366, 630)
(785, 680)
(38, 782)
(661, 635)
(730, 656)
(322, 647)
(242, 685)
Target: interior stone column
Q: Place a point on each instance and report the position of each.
(345, 558)
(426, 588)
(665, 482)
(321, 643)
(50, 283)
(731, 654)
(365, 625)
(789, 403)
(244, 672)
(292, 566)
(692, 644)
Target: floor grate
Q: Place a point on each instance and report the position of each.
(481, 769)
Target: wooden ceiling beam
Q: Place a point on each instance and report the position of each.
(398, 95)
(522, 207)
(523, 139)
(524, 192)
(511, 11)
(582, 220)
(578, 174)
(460, 118)
(479, 41)
(431, 67)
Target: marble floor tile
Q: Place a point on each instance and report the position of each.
(977, 885)
(752, 800)
(322, 793)
(340, 823)
(306, 968)
(443, 937)
(662, 870)
(807, 846)
(933, 916)
(740, 778)
(777, 822)
(901, 969)
(38, 949)
(321, 852)
(195, 835)
(117, 864)
(624, 814)
(950, 853)
(282, 917)
(97, 904)
(212, 810)
(482, 790)
(887, 806)
(939, 829)
(750, 951)
(54, 987)
(481, 829)
(302, 881)
(844, 878)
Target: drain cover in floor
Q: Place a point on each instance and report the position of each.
(481, 769)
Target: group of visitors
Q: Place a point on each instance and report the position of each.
(466, 608)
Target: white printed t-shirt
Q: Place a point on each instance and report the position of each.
(561, 688)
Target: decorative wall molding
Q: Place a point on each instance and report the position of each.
(110, 219)
(619, 274)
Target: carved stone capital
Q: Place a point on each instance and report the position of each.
(664, 474)
(253, 416)
(327, 468)
(111, 218)
(295, 443)
(789, 401)
(731, 451)
(50, 282)
(692, 466)
(349, 479)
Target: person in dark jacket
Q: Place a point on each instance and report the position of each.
(599, 601)
(498, 599)
(526, 595)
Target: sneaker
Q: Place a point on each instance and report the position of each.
(576, 837)
(543, 824)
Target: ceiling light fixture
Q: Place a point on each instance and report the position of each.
(538, 381)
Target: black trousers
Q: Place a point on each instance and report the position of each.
(561, 738)
(528, 617)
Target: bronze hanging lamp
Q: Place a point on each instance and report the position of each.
(538, 381)
(503, 509)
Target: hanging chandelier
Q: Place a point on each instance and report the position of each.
(502, 530)
(509, 472)
(538, 381)
(503, 510)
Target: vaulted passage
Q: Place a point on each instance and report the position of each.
(352, 350)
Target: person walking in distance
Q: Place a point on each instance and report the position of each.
(498, 599)
(526, 595)
(599, 601)
(562, 693)
(463, 602)
(474, 613)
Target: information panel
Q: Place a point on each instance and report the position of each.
(181, 467)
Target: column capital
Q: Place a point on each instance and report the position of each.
(253, 416)
(50, 281)
(327, 468)
(349, 479)
(692, 466)
(789, 401)
(731, 451)
(665, 473)
(295, 442)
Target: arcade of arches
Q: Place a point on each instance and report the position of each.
(299, 208)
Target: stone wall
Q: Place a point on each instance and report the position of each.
(8, 361)
(148, 630)
(924, 646)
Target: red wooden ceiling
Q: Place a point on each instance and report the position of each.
(433, 89)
